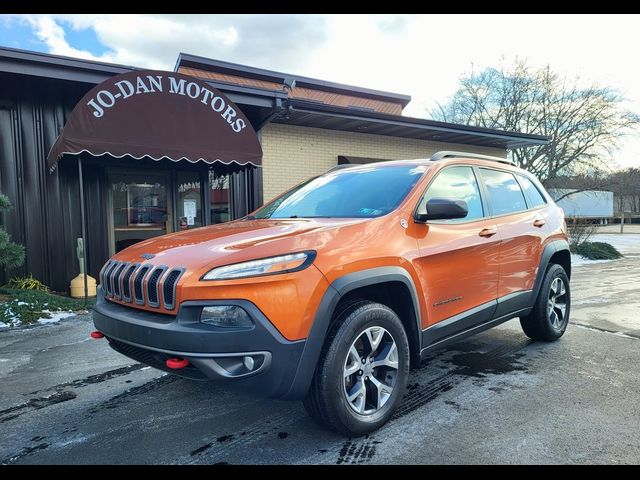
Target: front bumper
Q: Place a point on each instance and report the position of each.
(214, 353)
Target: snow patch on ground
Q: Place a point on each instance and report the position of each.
(55, 316)
(626, 243)
(578, 261)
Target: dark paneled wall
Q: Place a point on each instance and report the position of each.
(246, 188)
(46, 217)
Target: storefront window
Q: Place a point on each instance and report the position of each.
(189, 200)
(220, 206)
(140, 208)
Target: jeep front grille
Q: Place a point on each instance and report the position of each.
(143, 284)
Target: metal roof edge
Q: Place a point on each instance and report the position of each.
(61, 61)
(311, 107)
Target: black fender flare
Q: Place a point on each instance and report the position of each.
(549, 250)
(338, 288)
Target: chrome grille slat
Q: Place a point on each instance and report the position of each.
(107, 279)
(110, 279)
(117, 276)
(153, 292)
(126, 281)
(169, 287)
(138, 283)
(102, 272)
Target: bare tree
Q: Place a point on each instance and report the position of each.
(585, 123)
(625, 185)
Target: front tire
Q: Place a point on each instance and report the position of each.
(550, 315)
(362, 372)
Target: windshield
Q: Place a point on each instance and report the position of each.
(359, 192)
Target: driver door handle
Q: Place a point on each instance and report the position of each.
(488, 232)
(539, 222)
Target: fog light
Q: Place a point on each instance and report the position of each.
(226, 316)
(248, 362)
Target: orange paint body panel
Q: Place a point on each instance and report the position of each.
(453, 266)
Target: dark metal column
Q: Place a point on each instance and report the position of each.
(84, 230)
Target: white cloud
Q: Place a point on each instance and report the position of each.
(420, 55)
(154, 41)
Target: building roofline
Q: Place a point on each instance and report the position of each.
(62, 61)
(188, 60)
(390, 119)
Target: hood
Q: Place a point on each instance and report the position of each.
(203, 248)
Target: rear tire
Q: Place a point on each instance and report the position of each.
(351, 397)
(550, 315)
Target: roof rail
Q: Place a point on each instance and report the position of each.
(341, 166)
(448, 154)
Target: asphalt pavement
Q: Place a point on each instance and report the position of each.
(494, 398)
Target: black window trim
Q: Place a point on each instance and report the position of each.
(524, 195)
(527, 199)
(481, 191)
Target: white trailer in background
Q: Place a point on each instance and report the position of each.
(592, 204)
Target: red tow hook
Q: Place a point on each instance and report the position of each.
(177, 363)
(97, 335)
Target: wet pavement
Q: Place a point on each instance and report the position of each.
(494, 398)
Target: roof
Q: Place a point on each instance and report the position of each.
(301, 111)
(351, 100)
(272, 76)
(310, 114)
(39, 64)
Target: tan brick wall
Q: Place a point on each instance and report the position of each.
(291, 154)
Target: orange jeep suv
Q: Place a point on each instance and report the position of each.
(333, 290)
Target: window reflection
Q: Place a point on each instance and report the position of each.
(219, 197)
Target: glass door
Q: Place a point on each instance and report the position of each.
(189, 207)
(140, 206)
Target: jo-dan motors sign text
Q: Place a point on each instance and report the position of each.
(122, 90)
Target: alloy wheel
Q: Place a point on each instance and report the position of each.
(370, 370)
(557, 303)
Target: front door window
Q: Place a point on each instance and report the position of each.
(140, 208)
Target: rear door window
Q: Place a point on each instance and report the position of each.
(505, 194)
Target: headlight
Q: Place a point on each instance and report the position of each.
(264, 266)
(226, 316)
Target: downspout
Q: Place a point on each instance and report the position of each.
(278, 109)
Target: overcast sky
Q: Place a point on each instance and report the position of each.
(419, 55)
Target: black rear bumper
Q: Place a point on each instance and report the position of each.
(214, 353)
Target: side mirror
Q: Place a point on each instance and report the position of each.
(442, 209)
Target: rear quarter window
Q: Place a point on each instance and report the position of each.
(534, 197)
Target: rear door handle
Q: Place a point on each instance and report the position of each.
(488, 232)
(539, 222)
